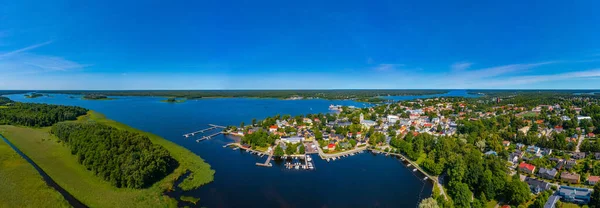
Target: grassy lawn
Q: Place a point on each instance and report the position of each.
(491, 204)
(529, 115)
(21, 184)
(421, 158)
(3, 106)
(569, 205)
(56, 160)
(262, 149)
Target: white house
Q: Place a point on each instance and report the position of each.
(393, 118)
(293, 139)
(579, 118)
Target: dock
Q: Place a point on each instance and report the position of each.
(208, 137)
(268, 162)
(212, 126)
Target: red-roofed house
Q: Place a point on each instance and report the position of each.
(358, 134)
(591, 135)
(331, 146)
(558, 128)
(273, 128)
(527, 168)
(427, 125)
(592, 180)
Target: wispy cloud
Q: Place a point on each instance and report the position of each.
(10, 53)
(387, 67)
(460, 66)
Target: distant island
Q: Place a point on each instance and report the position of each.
(345, 94)
(34, 95)
(96, 97)
(173, 100)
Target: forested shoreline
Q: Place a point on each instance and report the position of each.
(38, 115)
(123, 158)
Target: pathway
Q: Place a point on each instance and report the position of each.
(579, 143)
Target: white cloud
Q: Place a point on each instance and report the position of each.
(387, 67)
(31, 63)
(11, 53)
(460, 66)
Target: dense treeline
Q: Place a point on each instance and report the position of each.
(94, 97)
(5, 100)
(193, 94)
(123, 158)
(38, 115)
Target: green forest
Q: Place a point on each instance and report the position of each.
(123, 158)
(38, 115)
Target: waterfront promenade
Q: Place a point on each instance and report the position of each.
(324, 155)
(433, 178)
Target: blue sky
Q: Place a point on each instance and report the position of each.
(301, 45)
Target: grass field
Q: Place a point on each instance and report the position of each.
(56, 160)
(21, 184)
(3, 106)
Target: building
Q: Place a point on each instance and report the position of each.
(527, 168)
(491, 152)
(547, 173)
(537, 186)
(273, 128)
(393, 119)
(515, 156)
(505, 143)
(293, 139)
(575, 195)
(579, 118)
(570, 163)
(533, 149)
(578, 155)
(569, 177)
(330, 146)
(592, 180)
(551, 203)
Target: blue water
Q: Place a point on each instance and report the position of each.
(452, 93)
(363, 180)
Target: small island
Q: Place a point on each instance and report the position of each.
(96, 97)
(34, 95)
(174, 100)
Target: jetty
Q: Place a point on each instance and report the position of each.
(209, 136)
(268, 162)
(212, 126)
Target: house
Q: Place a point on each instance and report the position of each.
(505, 143)
(491, 152)
(307, 120)
(570, 164)
(330, 146)
(552, 201)
(527, 168)
(546, 151)
(578, 155)
(558, 128)
(533, 149)
(575, 195)
(569, 177)
(273, 128)
(597, 155)
(547, 173)
(592, 180)
(565, 118)
(537, 186)
(393, 119)
(414, 116)
(345, 145)
(591, 135)
(293, 139)
(560, 164)
(520, 146)
(515, 156)
(579, 118)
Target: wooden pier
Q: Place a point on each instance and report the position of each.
(268, 162)
(212, 126)
(209, 136)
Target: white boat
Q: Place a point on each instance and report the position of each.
(327, 159)
(425, 178)
(414, 170)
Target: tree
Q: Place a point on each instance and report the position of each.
(428, 203)
(595, 199)
(278, 151)
(242, 124)
(461, 194)
(290, 150)
(302, 150)
(353, 143)
(253, 121)
(517, 191)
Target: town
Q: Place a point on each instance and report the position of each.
(528, 149)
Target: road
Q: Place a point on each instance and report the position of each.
(579, 143)
(324, 155)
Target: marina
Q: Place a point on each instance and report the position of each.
(212, 126)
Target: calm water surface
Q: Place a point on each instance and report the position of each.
(363, 180)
